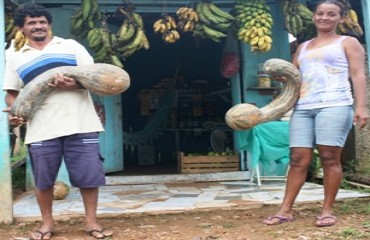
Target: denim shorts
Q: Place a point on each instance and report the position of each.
(81, 154)
(323, 126)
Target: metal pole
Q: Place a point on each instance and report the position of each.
(365, 12)
(6, 207)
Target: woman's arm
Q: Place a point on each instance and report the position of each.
(356, 60)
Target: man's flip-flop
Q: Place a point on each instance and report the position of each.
(281, 219)
(320, 221)
(43, 235)
(100, 232)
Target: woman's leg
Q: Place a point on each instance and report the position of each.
(299, 163)
(330, 161)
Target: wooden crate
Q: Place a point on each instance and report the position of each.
(207, 164)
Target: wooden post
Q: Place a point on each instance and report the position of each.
(6, 207)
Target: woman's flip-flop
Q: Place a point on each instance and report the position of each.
(320, 221)
(281, 219)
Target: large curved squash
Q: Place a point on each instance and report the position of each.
(100, 78)
(244, 116)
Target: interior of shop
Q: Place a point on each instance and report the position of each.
(176, 101)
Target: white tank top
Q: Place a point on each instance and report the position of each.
(324, 76)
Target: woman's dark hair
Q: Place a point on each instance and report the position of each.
(31, 10)
(343, 9)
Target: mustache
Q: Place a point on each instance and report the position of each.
(38, 30)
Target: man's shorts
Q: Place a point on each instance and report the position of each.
(81, 154)
(324, 126)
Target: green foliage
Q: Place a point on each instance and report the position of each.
(350, 233)
(21, 154)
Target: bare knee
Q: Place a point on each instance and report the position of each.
(330, 160)
(299, 160)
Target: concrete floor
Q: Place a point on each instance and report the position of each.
(162, 197)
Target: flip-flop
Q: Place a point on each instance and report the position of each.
(281, 219)
(320, 221)
(93, 233)
(43, 235)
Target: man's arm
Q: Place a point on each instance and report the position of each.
(10, 97)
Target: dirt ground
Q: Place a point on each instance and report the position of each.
(222, 224)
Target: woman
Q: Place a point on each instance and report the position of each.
(324, 115)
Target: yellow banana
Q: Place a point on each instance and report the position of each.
(353, 15)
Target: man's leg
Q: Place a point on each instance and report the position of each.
(45, 201)
(90, 200)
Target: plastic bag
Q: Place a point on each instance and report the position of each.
(230, 64)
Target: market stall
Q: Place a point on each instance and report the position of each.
(189, 61)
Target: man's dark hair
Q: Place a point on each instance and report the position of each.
(31, 10)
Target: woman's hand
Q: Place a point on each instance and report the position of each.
(63, 82)
(361, 117)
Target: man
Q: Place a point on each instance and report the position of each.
(66, 126)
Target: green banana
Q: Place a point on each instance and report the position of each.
(137, 19)
(105, 38)
(126, 32)
(223, 27)
(115, 60)
(101, 55)
(219, 12)
(134, 43)
(86, 8)
(303, 11)
(296, 25)
(210, 16)
(212, 32)
(202, 18)
(9, 26)
(94, 37)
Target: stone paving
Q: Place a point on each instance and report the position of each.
(129, 199)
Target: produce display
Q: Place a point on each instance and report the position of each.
(109, 47)
(250, 19)
(213, 23)
(254, 22)
(350, 25)
(167, 26)
(187, 18)
(298, 20)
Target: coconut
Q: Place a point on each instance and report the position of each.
(60, 191)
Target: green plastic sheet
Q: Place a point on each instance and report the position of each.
(266, 142)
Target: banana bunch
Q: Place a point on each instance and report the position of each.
(167, 26)
(19, 40)
(10, 29)
(131, 36)
(187, 17)
(350, 25)
(85, 18)
(213, 21)
(298, 20)
(254, 23)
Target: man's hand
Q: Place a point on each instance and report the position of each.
(63, 82)
(12, 119)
